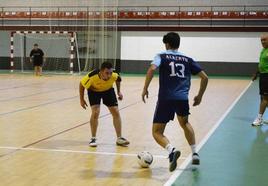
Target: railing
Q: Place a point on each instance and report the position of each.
(142, 16)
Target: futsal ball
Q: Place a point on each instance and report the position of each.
(145, 159)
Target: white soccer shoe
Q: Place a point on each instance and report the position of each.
(122, 142)
(93, 142)
(257, 122)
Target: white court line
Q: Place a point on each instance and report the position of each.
(178, 172)
(80, 152)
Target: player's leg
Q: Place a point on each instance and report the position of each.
(263, 88)
(182, 111)
(94, 101)
(35, 66)
(36, 70)
(94, 122)
(163, 114)
(40, 70)
(117, 122)
(110, 100)
(158, 134)
(94, 119)
(190, 137)
(187, 128)
(264, 104)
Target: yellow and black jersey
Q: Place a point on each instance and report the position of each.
(92, 81)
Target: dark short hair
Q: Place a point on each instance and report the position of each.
(173, 39)
(107, 65)
(35, 44)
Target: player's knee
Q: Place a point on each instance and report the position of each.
(183, 124)
(95, 114)
(115, 114)
(183, 121)
(265, 98)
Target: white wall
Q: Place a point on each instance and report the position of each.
(202, 46)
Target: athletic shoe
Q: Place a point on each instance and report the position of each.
(173, 156)
(195, 159)
(93, 142)
(122, 142)
(257, 122)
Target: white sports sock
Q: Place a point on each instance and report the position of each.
(169, 148)
(260, 116)
(193, 147)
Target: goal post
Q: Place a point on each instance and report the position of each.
(58, 46)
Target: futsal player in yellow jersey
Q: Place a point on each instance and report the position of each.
(99, 85)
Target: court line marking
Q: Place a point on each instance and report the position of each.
(66, 130)
(35, 106)
(81, 152)
(43, 104)
(16, 87)
(183, 166)
(29, 95)
(69, 129)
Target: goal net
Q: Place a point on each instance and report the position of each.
(100, 40)
(58, 48)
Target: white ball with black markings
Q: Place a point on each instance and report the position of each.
(145, 159)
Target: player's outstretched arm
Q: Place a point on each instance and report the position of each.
(83, 103)
(149, 77)
(202, 89)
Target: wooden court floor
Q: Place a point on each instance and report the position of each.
(44, 132)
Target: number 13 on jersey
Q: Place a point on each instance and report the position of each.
(177, 69)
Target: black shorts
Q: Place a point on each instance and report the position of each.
(165, 110)
(37, 63)
(108, 98)
(263, 84)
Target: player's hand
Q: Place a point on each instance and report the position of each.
(120, 96)
(197, 100)
(144, 93)
(83, 104)
(254, 77)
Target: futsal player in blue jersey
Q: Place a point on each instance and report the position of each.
(175, 70)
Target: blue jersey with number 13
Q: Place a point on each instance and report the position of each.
(175, 70)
